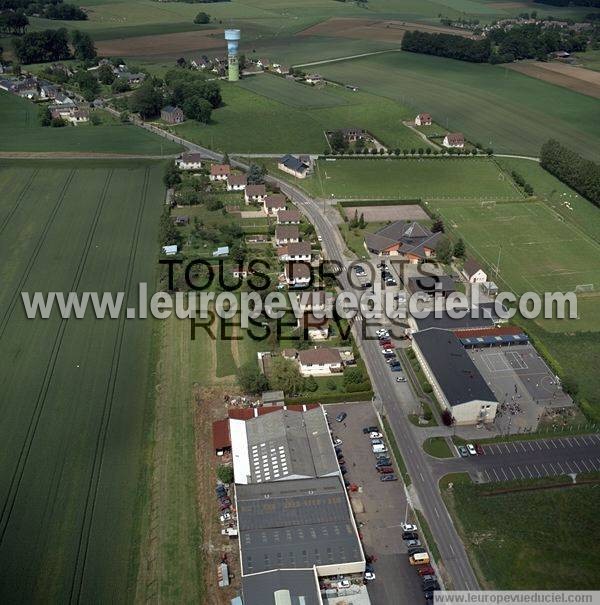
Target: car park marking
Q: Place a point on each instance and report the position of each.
(512, 472)
(522, 475)
(576, 466)
(530, 475)
(536, 470)
(505, 475)
(496, 475)
(586, 467)
(553, 442)
(522, 447)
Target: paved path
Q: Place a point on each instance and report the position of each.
(81, 155)
(518, 157)
(335, 60)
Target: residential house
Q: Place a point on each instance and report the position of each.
(172, 115)
(407, 239)
(473, 272)
(454, 140)
(297, 275)
(282, 69)
(313, 79)
(299, 251)
(237, 182)
(219, 172)
(322, 361)
(287, 234)
(48, 91)
(239, 272)
(130, 78)
(264, 63)
(314, 301)
(314, 328)
(62, 99)
(202, 62)
(255, 194)
(289, 217)
(298, 167)
(221, 251)
(189, 161)
(274, 203)
(8, 85)
(70, 113)
(423, 119)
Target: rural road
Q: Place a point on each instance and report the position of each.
(336, 59)
(394, 401)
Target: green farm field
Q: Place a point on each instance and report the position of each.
(428, 179)
(76, 394)
(20, 131)
(524, 540)
(268, 114)
(492, 105)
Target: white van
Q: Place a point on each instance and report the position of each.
(379, 448)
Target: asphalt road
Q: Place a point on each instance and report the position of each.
(389, 396)
(528, 459)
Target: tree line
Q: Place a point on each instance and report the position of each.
(591, 3)
(447, 45)
(575, 171)
(53, 45)
(47, 9)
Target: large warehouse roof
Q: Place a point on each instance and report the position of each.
(445, 322)
(301, 586)
(452, 367)
(285, 444)
(295, 525)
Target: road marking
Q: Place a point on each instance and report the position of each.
(536, 471)
(515, 447)
(422, 478)
(576, 466)
(496, 475)
(522, 447)
(562, 442)
(512, 472)
(545, 470)
(546, 444)
(487, 475)
(568, 467)
(507, 448)
(586, 467)
(451, 549)
(552, 467)
(522, 475)
(530, 475)
(553, 442)
(560, 467)
(505, 475)
(577, 441)
(539, 445)
(436, 512)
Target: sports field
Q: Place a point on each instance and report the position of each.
(268, 114)
(20, 131)
(76, 394)
(492, 105)
(428, 179)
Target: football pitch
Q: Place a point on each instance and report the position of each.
(76, 394)
(534, 248)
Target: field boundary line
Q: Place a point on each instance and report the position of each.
(36, 251)
(50, 366)
(18, 201)
(94, 481)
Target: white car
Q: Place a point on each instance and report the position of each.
(400, 379)
(376, 441)
(225, 517)
(408, 527)
(375, 435)
(344, 583)
(471, 449)
(337, 441)
(382, 332)
(369, 576)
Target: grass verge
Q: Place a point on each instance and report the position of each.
(396, 450)
(437, 447)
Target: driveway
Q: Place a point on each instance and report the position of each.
(384, 506)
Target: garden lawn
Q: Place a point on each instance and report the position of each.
(536, 540)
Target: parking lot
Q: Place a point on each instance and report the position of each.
(535, 459)
(383, 506)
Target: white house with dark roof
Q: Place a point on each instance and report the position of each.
(289, 217)
(423, 119)
(189, 161)
(297, 251)
(295, 166)
(274, 203)
(454, 140)
(287, 234)
(255, 194)
(473, 272)
(236, 182)
(297, 275)
(321, 361)
(219, 172)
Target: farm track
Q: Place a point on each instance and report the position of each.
(34, 256)
(18, 201)
(41, 399)
(92, 491)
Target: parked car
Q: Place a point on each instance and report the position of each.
(341, 461)
(408, 527)
(383, 462)
(388, 478)
(413, 543)
(410, 535)
(400, 378)
(369, 576)
(343, 583)
(381, 331)
(225, 517)
(426, 570)
(341, 417)
(385, 470)
(379, 448)
(372, 429)
(398, 369)
(375, 435)
(428, 577)
(463, 451)
(472, 450)
(414, 550)
(479, 449)
(337, 440)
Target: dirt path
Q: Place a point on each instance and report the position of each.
(348, 57)
(422, 135)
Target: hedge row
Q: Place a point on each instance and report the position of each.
(333, 397)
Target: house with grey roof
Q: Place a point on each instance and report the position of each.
(298, 167)
(410, 240)
(282, 586)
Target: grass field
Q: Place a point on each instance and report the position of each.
(76, 395)
(430, 179)
(20, 131)
(437, 447)
(525, 540)
(492, 105)
(268, 114)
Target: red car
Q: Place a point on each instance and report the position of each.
(385, 343)
(478, 449)
(385, 470)
(425, 570)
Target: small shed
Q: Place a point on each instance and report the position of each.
(169, 250)
(221, 251)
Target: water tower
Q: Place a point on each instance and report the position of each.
(233, 37)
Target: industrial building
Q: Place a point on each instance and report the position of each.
(456, 381)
